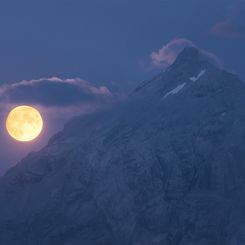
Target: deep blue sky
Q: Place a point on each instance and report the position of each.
(103, 42)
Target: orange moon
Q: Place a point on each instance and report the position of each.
(24, 123)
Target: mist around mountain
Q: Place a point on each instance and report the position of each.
(166, 166)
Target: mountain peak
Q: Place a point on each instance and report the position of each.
(190, 56)
(190, 64)
(188, 53)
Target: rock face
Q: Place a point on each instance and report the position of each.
(165, 167)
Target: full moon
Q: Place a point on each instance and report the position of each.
(24, 123)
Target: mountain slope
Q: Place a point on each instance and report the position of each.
(165, 167)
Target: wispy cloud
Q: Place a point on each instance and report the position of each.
(166, 55)
(225, 29)
(233, 24)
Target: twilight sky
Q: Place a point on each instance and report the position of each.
(71, 56)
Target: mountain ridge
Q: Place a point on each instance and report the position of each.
(164, 167)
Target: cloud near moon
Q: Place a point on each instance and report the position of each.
(54, 92)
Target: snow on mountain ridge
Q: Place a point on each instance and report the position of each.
(175, 90)
(194, 79)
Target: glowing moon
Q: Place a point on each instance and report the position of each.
(24, 123)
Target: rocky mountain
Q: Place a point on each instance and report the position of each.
(165, 167)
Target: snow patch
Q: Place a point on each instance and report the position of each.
(194, 79)
(175, 90)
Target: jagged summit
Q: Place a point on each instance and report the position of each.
(189, 63)
(188, 53)
(191, 55)
(193, 70)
